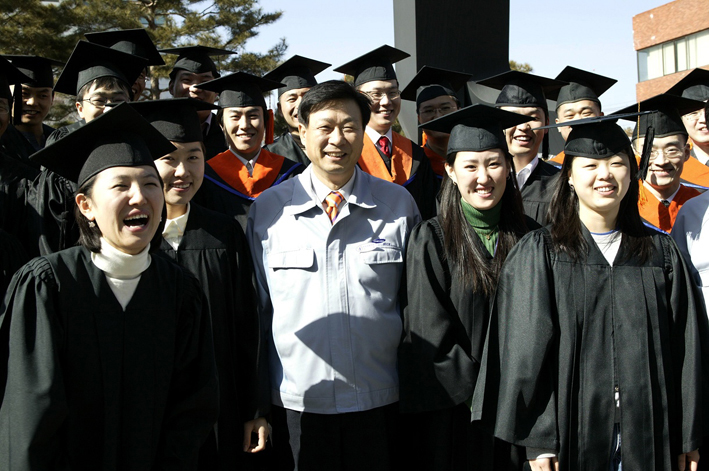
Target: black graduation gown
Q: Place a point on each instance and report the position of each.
(558, 331)
(63, 131)
(90, 386)
(46, 132)
(444, 325)
(219, 196)
(214, 249)
(214, 141)
(538, 190)
(12, 257)
(286, 146)
(14, 144)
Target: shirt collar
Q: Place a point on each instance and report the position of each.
(207, 123)
(523, 175)
(321, 190)
(243, 160)
(176, 227)
(672, 196)
(374, 135)
(121, 265)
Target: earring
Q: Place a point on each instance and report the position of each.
(92, 224)
(571, 186)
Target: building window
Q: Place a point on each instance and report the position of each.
(674, 56)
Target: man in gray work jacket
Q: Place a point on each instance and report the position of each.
(328, 250)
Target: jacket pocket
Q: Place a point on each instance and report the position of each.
(300, 258)
(377, 254)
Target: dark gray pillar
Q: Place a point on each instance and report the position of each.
(464, 35)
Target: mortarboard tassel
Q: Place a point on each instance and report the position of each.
(269, 127)
(645, 156)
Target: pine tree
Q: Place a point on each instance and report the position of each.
(52, 28)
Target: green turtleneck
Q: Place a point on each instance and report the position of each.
(485, 223)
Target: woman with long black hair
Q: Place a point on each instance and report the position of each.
(452, 265)
(593, 353)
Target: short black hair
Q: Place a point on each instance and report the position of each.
(89, 236)
(111, 83)
(323, 94)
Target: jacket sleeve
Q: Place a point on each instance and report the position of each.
(34, 405)
(515, 396)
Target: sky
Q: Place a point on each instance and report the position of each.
(548, 34)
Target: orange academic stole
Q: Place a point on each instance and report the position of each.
(234, 172)
(401, 160)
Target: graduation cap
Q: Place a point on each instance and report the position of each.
(10, 75)
(374, 65)
(666, 119)
(600, 137)
(240, 89)
(522, 89)
(476, 128)
(582, 85)
(120, 137)
(176, 119)
(196, 59)
(430, 83)
(296, 72)
(91, 61)
(131, 41)
(695, 86)
(37, 69)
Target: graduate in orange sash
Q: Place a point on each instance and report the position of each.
(662, 194)
(234, 178)
(387, 154)
(434, 91)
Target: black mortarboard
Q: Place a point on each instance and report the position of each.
(91, 61)
(430, 83)
(296, 72)
(37, 69)
(599, 137)
(196, 59)
(240, 89)
(695, 86)
(131, 41)
(10, 75)
(120, 137)
(666, 120)
(476, 127)
(582, 85)
(374, 65)
(522, 89)
(176, 119)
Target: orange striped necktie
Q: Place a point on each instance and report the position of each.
(332, 205)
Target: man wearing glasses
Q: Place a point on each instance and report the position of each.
(662, 194)
(434, 91)
(387, 154)
(98, 76)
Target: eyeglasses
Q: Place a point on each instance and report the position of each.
(442, 110)
(101, 102)
(669, 153)
(376, 95)
(694, 115)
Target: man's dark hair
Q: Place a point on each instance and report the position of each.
(110, 83)
(324, 94)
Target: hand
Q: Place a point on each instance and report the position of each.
(544, 464)
(259, 426)
(688, 461)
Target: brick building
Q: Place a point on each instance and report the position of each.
(671, 40)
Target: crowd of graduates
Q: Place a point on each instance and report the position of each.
(183, 291)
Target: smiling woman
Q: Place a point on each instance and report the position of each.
(124, 377)
(580, 304)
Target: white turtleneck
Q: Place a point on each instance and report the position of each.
(122, 270)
